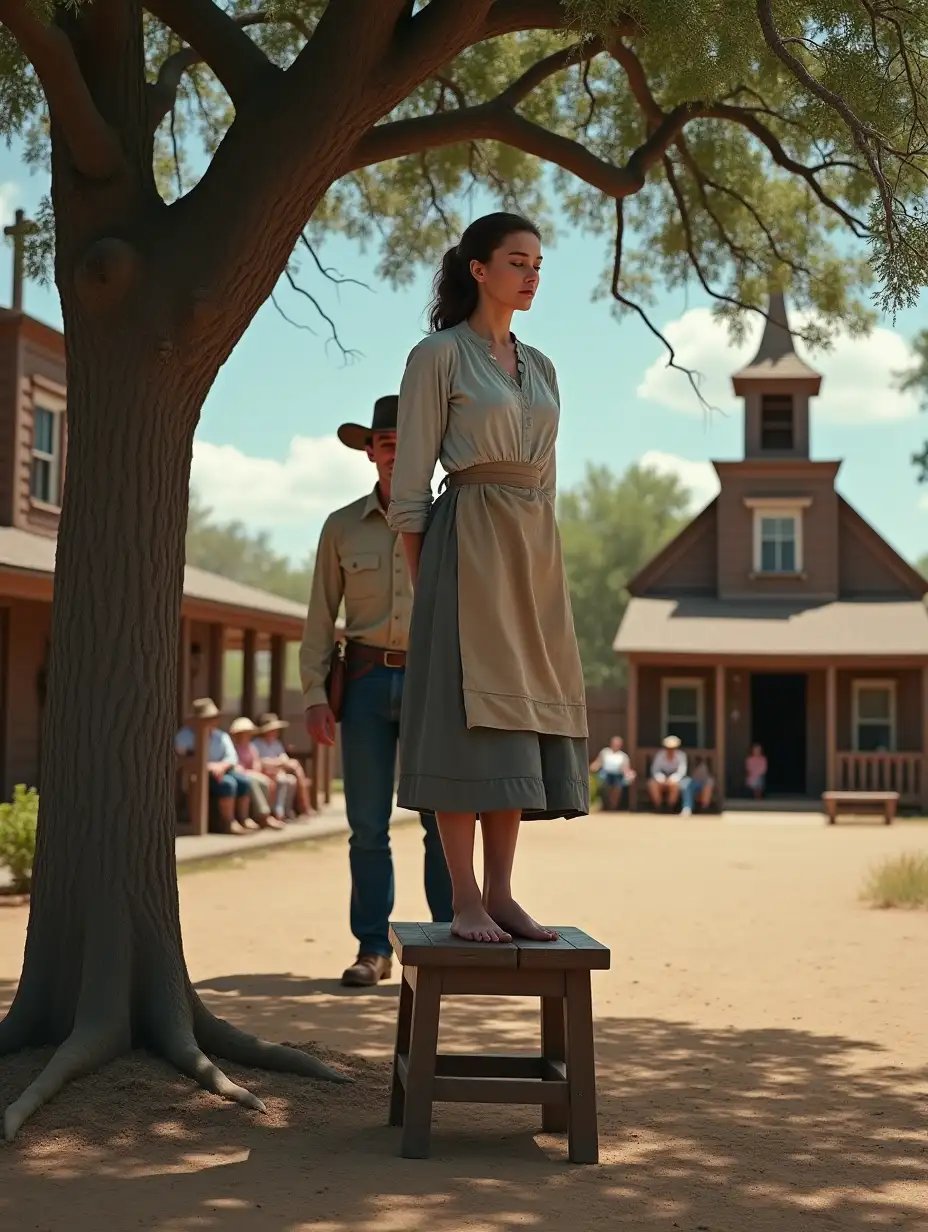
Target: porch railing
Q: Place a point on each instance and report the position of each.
(902, 772)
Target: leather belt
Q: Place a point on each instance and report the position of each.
(375, 656)
(509, 474)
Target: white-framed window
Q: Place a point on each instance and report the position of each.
(777, 534)
(45, 481)
(874, 716)
(682, 709)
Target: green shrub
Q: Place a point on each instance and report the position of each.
(900, 881)
(17, 836)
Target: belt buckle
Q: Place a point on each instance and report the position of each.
(396, 654)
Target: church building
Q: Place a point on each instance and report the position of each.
(780, 616)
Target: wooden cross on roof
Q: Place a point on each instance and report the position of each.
(18, 231)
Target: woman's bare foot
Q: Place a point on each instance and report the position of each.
(249, 823)
(509, 915)
(475, 924)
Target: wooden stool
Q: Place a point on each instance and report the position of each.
(562, 1078)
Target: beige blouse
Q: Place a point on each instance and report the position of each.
(459, 406)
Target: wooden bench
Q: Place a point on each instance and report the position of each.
(561, 1078)
(884, 802)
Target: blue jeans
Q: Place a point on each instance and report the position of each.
(370, 736)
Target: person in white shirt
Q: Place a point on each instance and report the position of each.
(668, 774)
(614, 770)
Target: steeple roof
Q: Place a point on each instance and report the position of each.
(776, 359)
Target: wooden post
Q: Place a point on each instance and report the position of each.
(17, 232)
(631, 723)
(923, 783)
(199, 795)
(183, 672)
(278, 670)
(249, 679)
(720, 754)
(216, 663)
(831, 727)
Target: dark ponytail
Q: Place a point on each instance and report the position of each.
(454, 292)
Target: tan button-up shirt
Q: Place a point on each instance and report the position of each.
(361, 560)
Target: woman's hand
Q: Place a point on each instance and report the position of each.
(412, 546)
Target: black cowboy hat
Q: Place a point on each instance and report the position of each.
(356, 436)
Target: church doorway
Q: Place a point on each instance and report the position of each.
(778, 722)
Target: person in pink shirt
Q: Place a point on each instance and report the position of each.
(755, 771)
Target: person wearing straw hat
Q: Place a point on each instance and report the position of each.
(360, 561)
(668, 774)
(276, 759)
(267, 795)
(227, 785)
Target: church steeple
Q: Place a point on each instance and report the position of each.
(776, 386)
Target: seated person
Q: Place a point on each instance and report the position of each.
(274, 756)
(668, 770)
(614, 771)
(755, 772)
(698, 788)
(263, 788)
(227, 786)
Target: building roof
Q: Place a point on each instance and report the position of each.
(36, 554)
(776, 358)
(767, 627)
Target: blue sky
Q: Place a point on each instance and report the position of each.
(266, 452)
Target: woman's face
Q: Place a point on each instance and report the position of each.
(510, 278)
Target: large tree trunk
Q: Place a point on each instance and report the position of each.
(104, 968)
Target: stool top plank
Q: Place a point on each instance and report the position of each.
(432, 945)
(861, 797)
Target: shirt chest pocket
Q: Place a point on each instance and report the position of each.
(362, 575)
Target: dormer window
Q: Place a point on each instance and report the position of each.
(777, 426)
(777, 535)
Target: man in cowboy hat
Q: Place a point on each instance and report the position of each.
(360, 561)
(227, 786)
(275, 758)
(668, 774)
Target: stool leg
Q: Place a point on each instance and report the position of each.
(583, 1134)
(403, 1032)
(423, 1046)
(554, 1117)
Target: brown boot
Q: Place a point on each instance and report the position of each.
(366, 971)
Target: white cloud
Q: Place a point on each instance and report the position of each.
(289, 498)
(9, 199)
(699, 477)
(857, 385)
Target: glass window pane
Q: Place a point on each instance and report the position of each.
(768, 556)
(688, 732)
(874, 703)
(682, 702)
(786, 528)
(768, 528)
(44, 430)
(874, 737)
(788, 556)
(41, 480)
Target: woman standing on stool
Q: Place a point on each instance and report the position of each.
(494, 713)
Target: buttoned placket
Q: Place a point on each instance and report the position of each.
(398, 593)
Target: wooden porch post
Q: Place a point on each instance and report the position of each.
(923, 794)
(720, 712)
(278, 668)
(249, 680)
(631, 722)
(183, 671)
(831, 727)
(215, 663)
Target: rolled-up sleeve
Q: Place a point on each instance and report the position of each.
(319, 629)
(422, 420)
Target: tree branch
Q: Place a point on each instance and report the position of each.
(219, 40)
(93, 145)
(539, 72)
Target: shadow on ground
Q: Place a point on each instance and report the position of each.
(726, 1131)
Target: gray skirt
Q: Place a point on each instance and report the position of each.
(445, 766)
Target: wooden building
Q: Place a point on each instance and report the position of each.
(779, 615)
(218, 615)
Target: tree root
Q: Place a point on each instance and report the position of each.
(222, 1039)
(84, 1050)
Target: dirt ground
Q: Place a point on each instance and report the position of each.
(761, 1053)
